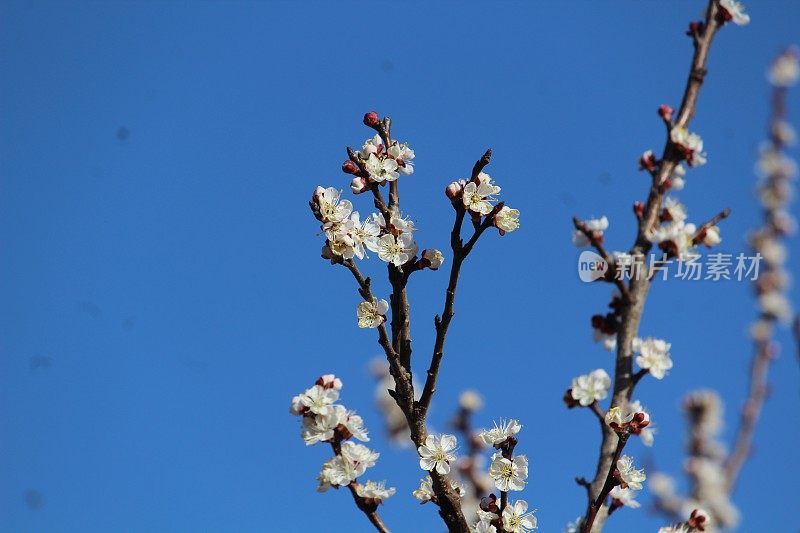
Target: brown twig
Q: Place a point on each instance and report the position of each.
(609, 483)
(632, 309)
(700, 233)
(460, 253)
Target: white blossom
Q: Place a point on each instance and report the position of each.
(517, 520)
(375, 490)
(372, 314)
(371, 146)
(619, 416)
(296, 407)
(401, 152)
(653, 355)
(320, 428)
(355, 425)
(485, 527)
(674, 210)
(330, 381)
(324, 476)
(382, 168)
(434, 257)
(509, 474)
(500, 432)
(691, 144)
(331, 206)
(733, 10)
(425, 491)
(436, 453)
(676, 177)
(363, 234)
(628, 474)
(353, 462)
(625, 497)
(507, 219)
(676, 238)
(478, 198)
(396, 250)
(711, 237)
(595, 225)
(591, 387)
(318, 399)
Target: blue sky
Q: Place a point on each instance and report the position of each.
(163, 294)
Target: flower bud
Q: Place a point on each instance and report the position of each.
(359, 185)
(665, 112)
(329, 381)
(638, 209)
(348, 167)
(640, 420)
(648, 161)
(455, 189)
(372, 119)
(695, 27)
(431, 258)
(699, 519)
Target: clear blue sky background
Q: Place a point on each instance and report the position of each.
(162, 293)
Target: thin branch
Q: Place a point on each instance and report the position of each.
(701, 231)
(460, 253)
(609, 483)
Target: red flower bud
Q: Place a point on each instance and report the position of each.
(348, 167)
(665, 112)
(638, 209)
(648, 161)
(698, 520)
(695, 27)
(372, 119)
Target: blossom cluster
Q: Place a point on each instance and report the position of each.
(507, 472)
(479, 198)
(324, 420)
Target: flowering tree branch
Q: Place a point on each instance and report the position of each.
(380, 162)
(660, 224)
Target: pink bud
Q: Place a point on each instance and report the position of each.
(648, 161)
(348, 167)
(372, 119)
(638, 209)
(641, 419)
(665, 112)
(359, 185)
(699, 519)
(455, 189)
